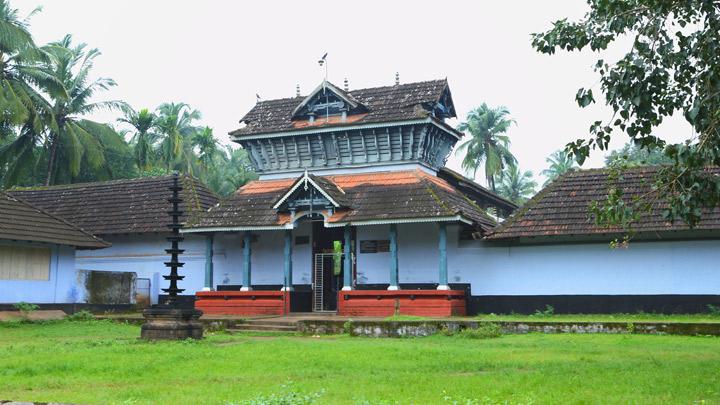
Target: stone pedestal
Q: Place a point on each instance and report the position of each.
(168, 323)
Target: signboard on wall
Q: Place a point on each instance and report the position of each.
(374, 246)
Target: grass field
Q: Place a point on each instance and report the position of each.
(100, 362)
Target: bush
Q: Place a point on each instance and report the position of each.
(549, 311)
(81, 316)
(714, 310)
(25, 307)
(483, 331)
(348, 326)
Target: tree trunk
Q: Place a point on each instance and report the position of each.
(51, 160)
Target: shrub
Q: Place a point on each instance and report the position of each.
(487, 330)
(81, 316)
(714, 310)
(25, 307)
(549, 311)
(348, 326)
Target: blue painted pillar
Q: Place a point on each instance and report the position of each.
(247, 270)
(442, 247)
(288, 261)
(393, 258)
(347, 264)
(208, 263)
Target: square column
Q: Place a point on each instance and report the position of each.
(287, 285)
(442, 248)
(393, 259)
(247, 276)
(208, 263)
(347, 264)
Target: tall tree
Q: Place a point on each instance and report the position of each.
(72, 140)
(175, 122)
(143, 139)
(517, 186)
(672, 67)
(632, 155)
(488, 143)
(560, 163)
(207, 146)
(22, 78)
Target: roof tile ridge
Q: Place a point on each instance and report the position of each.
(71, 225)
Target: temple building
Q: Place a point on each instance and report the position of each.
(354, 210)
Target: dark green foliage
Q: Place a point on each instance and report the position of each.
(672, 67)
(46, 93)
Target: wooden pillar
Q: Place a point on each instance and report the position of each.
(209, 263)
(442, 248)
(347, 263)
(247, 271)
(287, 285)
(393, 258)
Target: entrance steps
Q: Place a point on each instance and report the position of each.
(266, 325)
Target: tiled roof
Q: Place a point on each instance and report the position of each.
(22, 222)
(385, 104)
(562, 208)
(119, 206)
(411, 194)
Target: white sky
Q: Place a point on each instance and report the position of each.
(216, 55)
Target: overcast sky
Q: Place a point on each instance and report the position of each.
(216, 55)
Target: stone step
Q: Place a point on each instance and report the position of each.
(277, 328)
(270, 323)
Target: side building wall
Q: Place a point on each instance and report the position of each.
(60, 287)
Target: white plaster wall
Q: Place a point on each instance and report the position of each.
(657, 267)
(59, 288)
(418, 256)
(145, 255)
(266, 256)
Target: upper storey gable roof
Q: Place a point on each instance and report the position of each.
(383, 104)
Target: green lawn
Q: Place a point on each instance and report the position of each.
(103, 363)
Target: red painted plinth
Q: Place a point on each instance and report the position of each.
(243, 302)
(404, 302)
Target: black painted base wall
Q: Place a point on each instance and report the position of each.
(72, 308)
(591, 304)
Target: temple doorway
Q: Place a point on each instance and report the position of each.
(327, 266)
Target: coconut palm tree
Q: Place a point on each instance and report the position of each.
(143, 139)
(517, 186)
(22, 78)
(488, 143)
(21, 73)
(175, 124)
(71, 140)
(560, 163)
(207, 146)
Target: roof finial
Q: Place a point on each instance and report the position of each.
(346, 85)
(297, 90)
(397, 78)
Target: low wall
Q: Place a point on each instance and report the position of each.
(243, 302)
(403, 302)
(430, 327)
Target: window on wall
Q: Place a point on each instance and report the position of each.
(24, 263)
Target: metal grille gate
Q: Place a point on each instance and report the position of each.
(320, 263)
